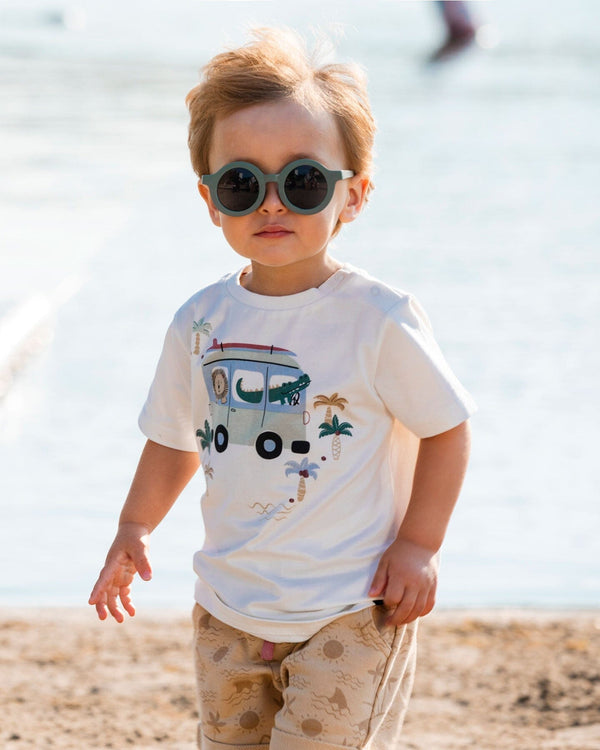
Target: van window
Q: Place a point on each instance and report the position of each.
(248, 386)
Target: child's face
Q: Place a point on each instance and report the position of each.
(270, 136)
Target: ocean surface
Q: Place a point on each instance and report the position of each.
(486, 207)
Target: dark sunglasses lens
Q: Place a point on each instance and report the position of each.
(238, 189)
(306, 186)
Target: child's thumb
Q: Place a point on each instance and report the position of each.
(143, 567)
(379, 582)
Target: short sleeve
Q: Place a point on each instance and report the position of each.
(166, 417)
(412, 376)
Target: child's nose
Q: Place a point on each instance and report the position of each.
(272, 201)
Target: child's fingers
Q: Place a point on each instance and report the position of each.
(126, 602)
(429, 603)
(379, 583)
(137, 560)
(422, 604)
(113, 605)
(99, 600)
(416, 611)
(104, 593)
(98, 592)
(101, 610)
(113, 584)
(93, 596)
(403, 608)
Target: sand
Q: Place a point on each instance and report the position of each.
(510, 679)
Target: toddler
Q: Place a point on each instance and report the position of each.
(332, 433)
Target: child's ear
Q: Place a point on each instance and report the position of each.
(358, 189)
(213, 211)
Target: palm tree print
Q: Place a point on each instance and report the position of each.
(334, 400)
(200, 327)
(208, 474)
(206, 436)
(304, 469)
(215, 721)
(336, 429)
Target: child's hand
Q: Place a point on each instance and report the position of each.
(127, 555)
(406, 580)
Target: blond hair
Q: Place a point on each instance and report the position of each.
(276, 66)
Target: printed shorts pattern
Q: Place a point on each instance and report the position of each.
(346, 687)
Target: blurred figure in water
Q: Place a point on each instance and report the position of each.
(460, 29)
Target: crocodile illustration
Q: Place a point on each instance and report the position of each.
(282, 393)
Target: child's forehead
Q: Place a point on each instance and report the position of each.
(273, 134)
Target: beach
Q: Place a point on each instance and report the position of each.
(514, 679)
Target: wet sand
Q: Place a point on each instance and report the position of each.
(510, 679)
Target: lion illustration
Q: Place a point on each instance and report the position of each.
(220, 384)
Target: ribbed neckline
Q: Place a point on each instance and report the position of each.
(287, 302)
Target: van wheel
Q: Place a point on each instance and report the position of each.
(221, 438)
(269, 445)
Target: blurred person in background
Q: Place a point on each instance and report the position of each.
(460, 26)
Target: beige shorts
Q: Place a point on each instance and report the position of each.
(346, 687)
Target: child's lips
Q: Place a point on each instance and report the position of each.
(273, 231)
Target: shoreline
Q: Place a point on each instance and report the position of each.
(502, 615)
(522, 679)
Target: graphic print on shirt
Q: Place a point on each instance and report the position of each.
(278, 512)
(208, 473)
(206, 438)
(220, 384)
(257, 397)
(332, 425)
(199, 328)
(304, 470)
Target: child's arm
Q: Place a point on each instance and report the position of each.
(406, 578)
(161, 475)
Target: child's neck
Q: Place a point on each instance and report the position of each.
(286, 280)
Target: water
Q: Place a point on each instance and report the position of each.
(485, 207)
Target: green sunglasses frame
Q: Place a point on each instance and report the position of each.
(332, 176)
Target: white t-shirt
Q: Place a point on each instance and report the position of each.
(306, 411)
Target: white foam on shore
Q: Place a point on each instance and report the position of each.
(27, 328)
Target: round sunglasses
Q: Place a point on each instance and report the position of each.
(304, 186)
